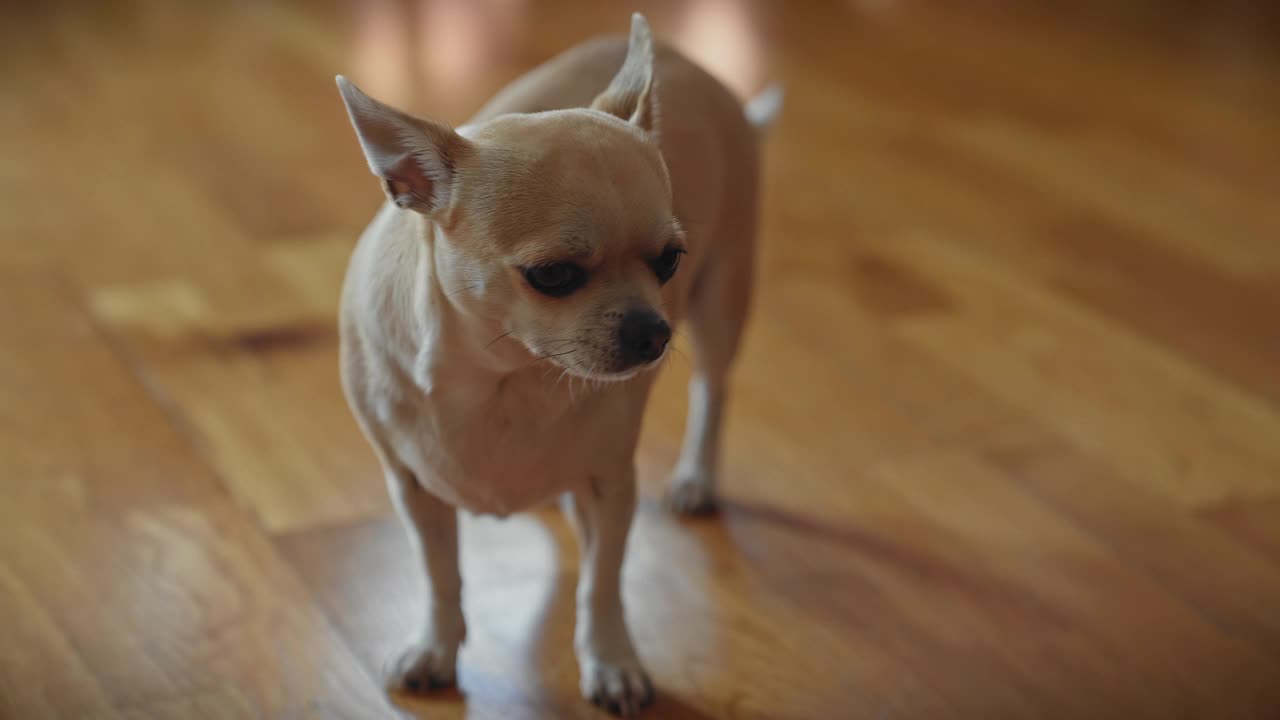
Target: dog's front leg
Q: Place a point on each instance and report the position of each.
(429, 663)
(611, 673)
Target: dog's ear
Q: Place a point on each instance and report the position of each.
(415, 158)
(631, 96)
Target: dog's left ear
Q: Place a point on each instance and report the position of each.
(415, 158)
(631, 96)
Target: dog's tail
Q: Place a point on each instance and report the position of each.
(763, 109)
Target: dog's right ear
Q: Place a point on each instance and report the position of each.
(416, 159)
(631, 94)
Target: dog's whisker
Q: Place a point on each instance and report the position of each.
(571, 377)
(565, 371)
(547, 372)
(548, 356)
(491, 342)
(558, 344)
(682, 354)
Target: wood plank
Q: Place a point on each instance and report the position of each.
(157, 585)
(250, 361)
(1255, 522)
(1141, 525)
(1063, 608)
(1112, 260)
(1043, 355)
(33, 646)
(1208, 566)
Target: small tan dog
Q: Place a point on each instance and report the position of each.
(561, 234)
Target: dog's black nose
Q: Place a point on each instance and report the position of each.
(642, 336)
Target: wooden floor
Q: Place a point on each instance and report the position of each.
(1005, 441)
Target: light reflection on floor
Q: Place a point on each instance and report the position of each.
(440, 53)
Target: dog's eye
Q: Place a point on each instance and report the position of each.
(555, 279)
(664, 266)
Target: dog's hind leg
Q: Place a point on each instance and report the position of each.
(718, 309)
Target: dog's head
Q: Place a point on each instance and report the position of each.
(555, 228)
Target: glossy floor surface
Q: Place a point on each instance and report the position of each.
(1005, 440)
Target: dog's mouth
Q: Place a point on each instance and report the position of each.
(621, 375)
(607, 371)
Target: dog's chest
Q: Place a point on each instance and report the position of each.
(502, 451)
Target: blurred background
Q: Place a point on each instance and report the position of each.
(1005, 437)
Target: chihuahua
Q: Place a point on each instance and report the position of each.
(557, 237)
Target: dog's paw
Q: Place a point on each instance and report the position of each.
(423, 668)
(621, 689)
(690, 495)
